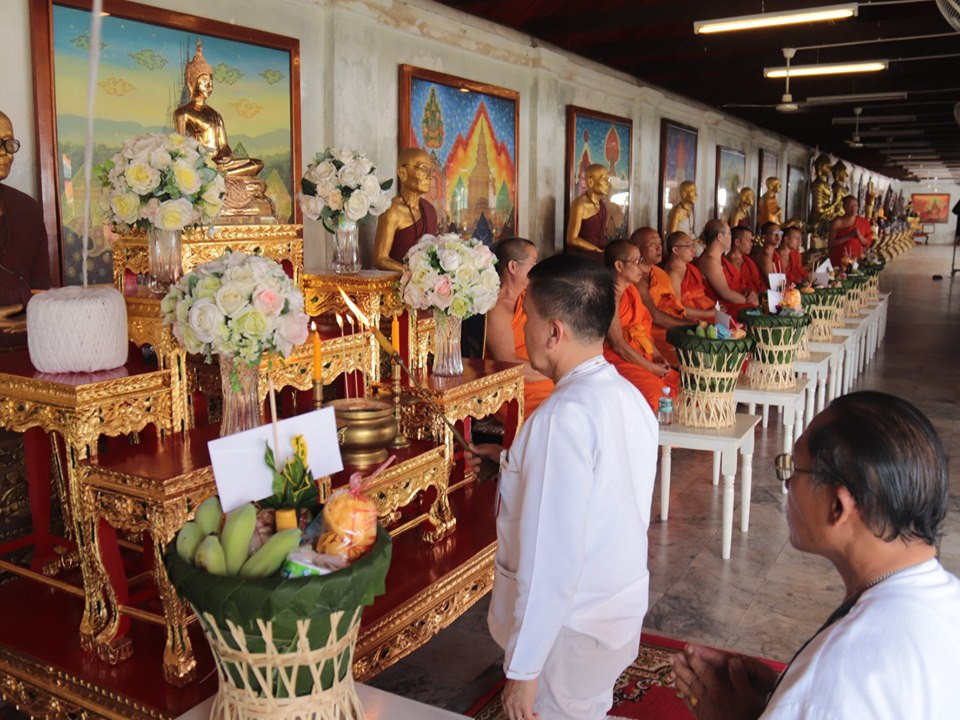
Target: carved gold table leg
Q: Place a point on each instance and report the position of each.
(179, 664)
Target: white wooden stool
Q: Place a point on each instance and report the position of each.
(817, 369)
(833, 347)
(725, 442)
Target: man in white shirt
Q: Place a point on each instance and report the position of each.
(571, 583)
(868, 490)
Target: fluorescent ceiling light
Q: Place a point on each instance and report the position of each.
(826, 69)
(876, 119)
(890, 133)
(855, 97)
(775, 19)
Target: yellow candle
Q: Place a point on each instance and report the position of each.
(395, 334)
(317, 353)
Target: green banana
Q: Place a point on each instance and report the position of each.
(210, 557)
(268, 559)
(236, 534)
(188, 539)
(208, 515)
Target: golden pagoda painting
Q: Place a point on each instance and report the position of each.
(470, 133)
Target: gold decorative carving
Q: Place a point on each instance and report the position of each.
(347, 353)
(402, 631)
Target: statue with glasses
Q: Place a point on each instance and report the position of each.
(410, 215)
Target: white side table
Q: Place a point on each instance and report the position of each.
(834, 348)
(817, 369)
(727, 442)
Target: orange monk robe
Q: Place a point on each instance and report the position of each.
(637, 325)
(536, 392)
(796, 272)
(751, 277)
(665, 299)
(735, 283)
(777, 268)
(852, 245)
(693, 291)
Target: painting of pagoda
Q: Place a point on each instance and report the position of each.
(599, 139)
(471, 136)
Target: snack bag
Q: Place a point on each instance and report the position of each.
(350, 517)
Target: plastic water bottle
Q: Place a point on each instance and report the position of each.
(665, 408)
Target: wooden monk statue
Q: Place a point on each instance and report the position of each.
(410, 216)
(246, 198)
(586, 229)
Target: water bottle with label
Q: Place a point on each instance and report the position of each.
(665, 408)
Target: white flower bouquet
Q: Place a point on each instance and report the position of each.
(450, 275)
(238, 305)
(169, 182)
(342, 185)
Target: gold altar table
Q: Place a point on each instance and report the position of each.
(283, 243)
(81, 407)
(156, 487)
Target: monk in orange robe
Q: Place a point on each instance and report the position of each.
(850, 235)
(629, 345)
(506, 320)
(790, 256)
(767, 258)
(651, 254)
(685, 278)
(739, 257)
(724, 284)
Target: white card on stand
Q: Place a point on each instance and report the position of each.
(778, 282)
(774, 299)
(240, 471)
(825, 267)
(821, 279)
(721, 319)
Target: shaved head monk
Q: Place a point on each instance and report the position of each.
(629, 346)
(723, 281)
(656, 291)
(686, 278)
(739, 255)
(766, 256)
(506, 320)
(790, 257)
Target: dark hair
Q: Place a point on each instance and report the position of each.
(575, 290)
(617, 250)
(887, 454)
(712, 230)
(765, 228)
(675, 237)
(739, 231)
(510, 248)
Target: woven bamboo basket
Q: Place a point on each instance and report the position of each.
(777, 338)
(871, 292)
(708, 375)
(854, 285)
(825, 308)
(284, 646)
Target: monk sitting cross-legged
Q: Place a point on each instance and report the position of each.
(686, 279)
(506, 320)
(629, 345)
(657, 293)
(739, 257)
(724, 283)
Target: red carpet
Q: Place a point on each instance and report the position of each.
(640, 693)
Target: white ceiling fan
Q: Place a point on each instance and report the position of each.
(786, 104)
(854, 142)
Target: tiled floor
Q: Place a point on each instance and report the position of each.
(768, 598)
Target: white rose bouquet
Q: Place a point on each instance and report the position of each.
(238, 305)
(169, 182)
(342, 185)
(450, 275)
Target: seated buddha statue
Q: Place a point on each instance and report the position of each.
(823, 208)
(680, 216)
(410, 215)
(740, 215)
(245, 192)
(768, 209)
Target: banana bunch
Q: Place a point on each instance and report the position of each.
(225, 551)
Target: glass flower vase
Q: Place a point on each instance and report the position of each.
(346, 248)
(164, 258)
(242, 409)
(447, 355)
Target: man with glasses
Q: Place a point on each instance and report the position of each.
(23, 238)
(629, 346)
(766, 256)
(686, 278)
(875, 509)
(409, 216)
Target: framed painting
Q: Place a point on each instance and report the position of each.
(596, 138)
(795, 204)
(144, 51)
(470, 130)
(769, 166)
(678, 164)
(931, 207)
(731, 173)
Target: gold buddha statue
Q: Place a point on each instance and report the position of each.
(840, 186)
(740, 215)
(680, 216)
(768, 209)
(246, 198)
(410, 215)
(871, 200)
(824, 208)
(587, 226)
